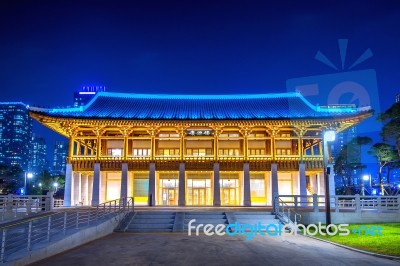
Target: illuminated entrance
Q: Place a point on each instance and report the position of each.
(168, 188)
(199, 192)
(258, 189)
(141, 188)
(229, 183)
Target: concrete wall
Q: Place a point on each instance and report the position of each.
(350, 217)
(70, 241)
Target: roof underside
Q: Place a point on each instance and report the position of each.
(185, 107)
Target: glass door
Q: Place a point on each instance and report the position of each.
(229, 191)
(168, 192)
(199, 196)
(199, 189)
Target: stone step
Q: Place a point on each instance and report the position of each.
(214, 222)
(205, 213)
(152, 220)
(189, 217)
(185, 227)
(156, 212)
(153, 216)
(150, 226)
(263, 222)
(252, 213)
(148, 230)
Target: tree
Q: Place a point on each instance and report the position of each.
(360, 142)
(46, 181)
(13, 177)
(345, 163)
(391, 129)
(349, 160)
(385, 154)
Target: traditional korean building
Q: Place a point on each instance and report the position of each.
(195, 150)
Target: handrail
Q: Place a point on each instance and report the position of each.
(27, 235)
(287, 217)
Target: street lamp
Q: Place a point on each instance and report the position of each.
(27, 175)
(329, 135)
(366, 178)
(55, 185)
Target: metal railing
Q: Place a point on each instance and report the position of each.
(341, 203)
(19, 238)
(286, 213)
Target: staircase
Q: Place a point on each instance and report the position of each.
(168, 221)
(249, 217)
(151, 222)
(213, 218)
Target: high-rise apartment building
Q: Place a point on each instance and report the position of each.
(38, 162)
(15, 134)
(84, 95)
(60, 157)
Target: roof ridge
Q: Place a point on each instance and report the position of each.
(199, 96)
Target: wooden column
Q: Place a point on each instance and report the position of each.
(71, 147)
(217, 132)
(152, 131)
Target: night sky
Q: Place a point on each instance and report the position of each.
(49, 49)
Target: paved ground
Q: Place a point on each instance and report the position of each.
(181, 249)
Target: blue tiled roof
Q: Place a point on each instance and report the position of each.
(198, 107)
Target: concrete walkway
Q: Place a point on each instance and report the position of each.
(181, 249)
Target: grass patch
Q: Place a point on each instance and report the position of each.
(388, 243)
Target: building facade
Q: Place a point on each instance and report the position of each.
(15, 134)
(60, 157)
(182, 150)
(84, 95)
(38, 162)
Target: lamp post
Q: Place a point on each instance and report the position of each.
(366, 178)
(55, 185)
(27, 175)
(329, 135)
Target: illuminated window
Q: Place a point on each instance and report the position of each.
(168, 135)
(168, 152)
(257, 188)
(115, 152)
(141, 187)
(199, 152)
(229, 152)
(229, 135)
(141, 152)
(257, 151)
(283, 151)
